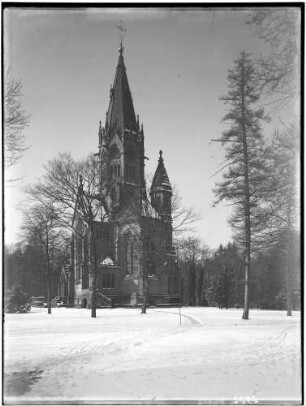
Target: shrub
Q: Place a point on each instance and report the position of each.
(17, 301)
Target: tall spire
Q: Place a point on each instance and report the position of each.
(121, 113)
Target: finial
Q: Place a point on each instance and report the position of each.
(160, 154)
(122, 30)
(100, 132)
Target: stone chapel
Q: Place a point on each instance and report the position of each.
(136, 236)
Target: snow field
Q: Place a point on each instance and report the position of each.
(125, 355)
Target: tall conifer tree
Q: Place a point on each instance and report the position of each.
(245, 167)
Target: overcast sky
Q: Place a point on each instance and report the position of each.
(177, 63)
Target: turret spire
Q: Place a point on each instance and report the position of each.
(161, 181)
(161, 190)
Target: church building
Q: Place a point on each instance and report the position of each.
(133, 233)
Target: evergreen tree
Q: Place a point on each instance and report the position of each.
(278, 216)
(244, 146)
(223, 284)
(17, 301)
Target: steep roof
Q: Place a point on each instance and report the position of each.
(161, 180)
(121, 114)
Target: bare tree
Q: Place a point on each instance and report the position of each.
(76, 199)
(279, 70)
(15, 121)
(183, 218)
(41, 226)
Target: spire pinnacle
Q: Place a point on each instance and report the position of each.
(100, 131)
(121, 28)
(160, 179)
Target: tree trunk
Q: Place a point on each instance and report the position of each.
(48, 278)
(289, 287)
(247, 212)
(145, 293)
(200, 287)
(192, 284)
(93, 268)
(245, 315)
(49, 290)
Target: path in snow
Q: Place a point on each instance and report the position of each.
(126, 355)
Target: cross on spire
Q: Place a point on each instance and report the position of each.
(121, 28)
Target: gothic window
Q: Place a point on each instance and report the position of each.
(126, 255)
(151, 257)
(130, 172)
(131, 255)
(118, 170)
(114, 151)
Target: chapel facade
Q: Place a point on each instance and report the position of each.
(133, 234)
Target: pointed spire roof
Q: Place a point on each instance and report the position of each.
(161, 181)
(120, 114)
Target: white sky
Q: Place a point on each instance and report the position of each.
(177, 63)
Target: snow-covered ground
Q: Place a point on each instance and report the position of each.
(125, 355)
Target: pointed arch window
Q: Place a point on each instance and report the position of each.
(129, 254)
(132, 257)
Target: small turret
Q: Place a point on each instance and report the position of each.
(161, 190)
(100, 133)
